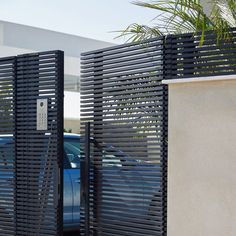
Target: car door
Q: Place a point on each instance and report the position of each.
(72, 150)
(68, 195)
(68, 199)
(75, 177)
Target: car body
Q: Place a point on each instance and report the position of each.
(71, 198)
(113, 160)
(71, 210)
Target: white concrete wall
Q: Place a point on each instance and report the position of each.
(18, 39)
(202, 158)
(32, 38)
(72, 64)
(71, 105)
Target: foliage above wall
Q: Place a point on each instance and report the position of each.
(183, 16)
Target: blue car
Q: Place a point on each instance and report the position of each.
(114, 160)
(71, 181)
(71, 177)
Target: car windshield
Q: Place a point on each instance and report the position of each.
(6, 151)
(72, 151)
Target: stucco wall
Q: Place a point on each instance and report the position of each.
(202, 159)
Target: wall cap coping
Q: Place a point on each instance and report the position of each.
(199, 79)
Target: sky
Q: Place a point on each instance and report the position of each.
(89, 18)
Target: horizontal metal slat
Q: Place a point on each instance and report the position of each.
(138, 48)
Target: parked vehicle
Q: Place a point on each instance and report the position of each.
(71, 211)
(114, 160)
(71, 176)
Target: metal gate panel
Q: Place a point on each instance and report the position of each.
(7, 150)
(187, 58)
(123, 99)
(36, 145)
(39, 153)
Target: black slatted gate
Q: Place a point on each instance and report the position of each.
(122, 96)
(7, 152)
(31, 144)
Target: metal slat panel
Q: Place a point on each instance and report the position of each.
(122, 97)
(30, 161)
(7, 151)
(39, 165)
(148, 52)
(135, 48)
(188, 59)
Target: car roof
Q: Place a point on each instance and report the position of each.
(71, 135)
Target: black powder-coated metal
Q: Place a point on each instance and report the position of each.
(31, 169)
(7, 152)
(124, 100)
(188, 59)
(85, 179)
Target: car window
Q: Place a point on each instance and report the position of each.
(110, 159)
(6, 151)
(72, 153)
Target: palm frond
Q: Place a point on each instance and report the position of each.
(136, 32)
(227, 11)
(182, 16)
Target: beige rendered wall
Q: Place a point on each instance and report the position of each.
(202, 159)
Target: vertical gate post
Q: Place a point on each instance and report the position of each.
(87, 168)
(85, 179)
(167, 69)
(98, 117)
(60, 143)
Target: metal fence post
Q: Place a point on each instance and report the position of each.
(85, 179)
